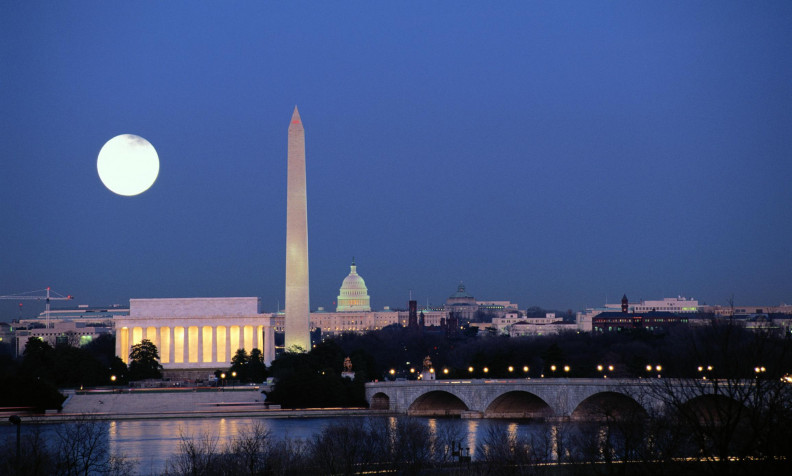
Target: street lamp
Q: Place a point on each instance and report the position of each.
(604, 370)
(511, 369)
(703, 370)
(470, 369)
(566, 369)
(445, 370)
(485, 369)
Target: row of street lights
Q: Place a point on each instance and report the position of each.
(704, 370)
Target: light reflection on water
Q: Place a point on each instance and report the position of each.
(152, 442)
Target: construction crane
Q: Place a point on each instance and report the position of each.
(50, 296)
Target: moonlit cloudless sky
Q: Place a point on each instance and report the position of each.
(550, 153)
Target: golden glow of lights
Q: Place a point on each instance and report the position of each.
(222, 356)
(511, 369)
(599, 367)
(445, 371)
(553, 368)
(648, 368)
(486, 369)
(178, 344)
(470, 369)
(192, 344)
(165, 345)
(128, 165)
(566, 368)
(392, 371)
(206, 351)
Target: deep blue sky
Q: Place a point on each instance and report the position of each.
(549, 153)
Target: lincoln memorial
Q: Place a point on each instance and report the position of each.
(196, 333)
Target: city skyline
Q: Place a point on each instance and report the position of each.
(555, 155)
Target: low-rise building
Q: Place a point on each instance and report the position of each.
(71, 333)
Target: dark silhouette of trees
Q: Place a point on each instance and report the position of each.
(248, 367)
(144, 361)
(80, 447)
(299, 375)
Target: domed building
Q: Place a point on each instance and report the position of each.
(353, 296)
(462, 304)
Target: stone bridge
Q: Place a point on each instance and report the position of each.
(522, 398)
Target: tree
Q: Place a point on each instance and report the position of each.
(239, 363)
(248, 367)
(256, 371)
(144, 361)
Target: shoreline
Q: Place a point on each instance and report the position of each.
(41, 418)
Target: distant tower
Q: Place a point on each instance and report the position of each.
(297, 320)
(625, 303)
(412, 322)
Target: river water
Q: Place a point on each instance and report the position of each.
(152, 442)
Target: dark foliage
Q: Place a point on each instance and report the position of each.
(144, 361)
(314, 379)
(27, 391)
(248, 367)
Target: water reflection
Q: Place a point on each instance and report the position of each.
(472, 436)
(152, 442)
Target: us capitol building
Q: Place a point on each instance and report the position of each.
(353, 311)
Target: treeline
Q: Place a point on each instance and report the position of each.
(715, 351)
(728, 348)
(647, 444)
(33, 379)
(314, 379)
(81, 447)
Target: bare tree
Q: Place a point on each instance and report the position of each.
(195, 457)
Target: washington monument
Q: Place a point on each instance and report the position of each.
(297, 320)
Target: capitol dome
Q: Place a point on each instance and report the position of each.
(353, 295)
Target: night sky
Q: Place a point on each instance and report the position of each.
(554, 154)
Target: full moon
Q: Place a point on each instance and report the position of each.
(128, 165)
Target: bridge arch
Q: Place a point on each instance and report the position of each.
(608, 405)
(714, 408)
(518, 404)
(437, 403)
(380, 401)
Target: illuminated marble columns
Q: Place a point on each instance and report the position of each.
(297, 320)
(198, 342)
